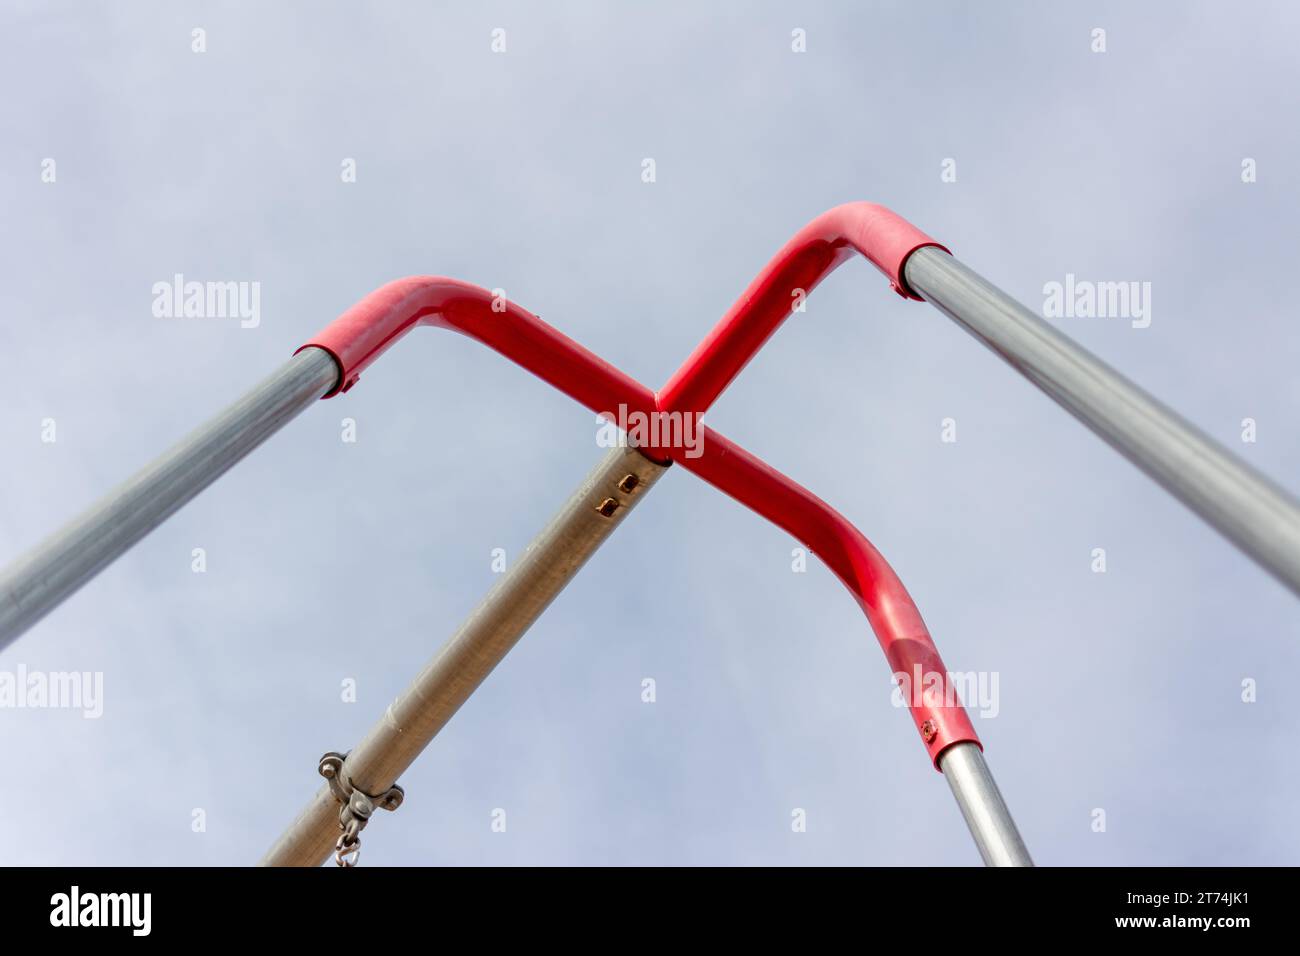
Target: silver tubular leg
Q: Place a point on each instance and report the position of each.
(982, 805)
(589, 517)
(1243, 505)
(37, 582)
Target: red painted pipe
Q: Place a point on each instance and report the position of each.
(863, 570)
(366, 330)
(883, 237)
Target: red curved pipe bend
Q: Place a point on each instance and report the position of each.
(882, 236)
(365, 331)
(892, 614)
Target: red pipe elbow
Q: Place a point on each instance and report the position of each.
(883, 237)
(365, 331)
(937, 712)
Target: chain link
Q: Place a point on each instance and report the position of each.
(347, 854)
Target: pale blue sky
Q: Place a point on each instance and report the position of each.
(329, 561)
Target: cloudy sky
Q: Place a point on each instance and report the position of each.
(330, 561)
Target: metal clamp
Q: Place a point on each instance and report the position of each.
(356, 807)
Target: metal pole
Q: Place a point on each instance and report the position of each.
(37, 582)
(982, 805)
(1247, 508)
(409, 724)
